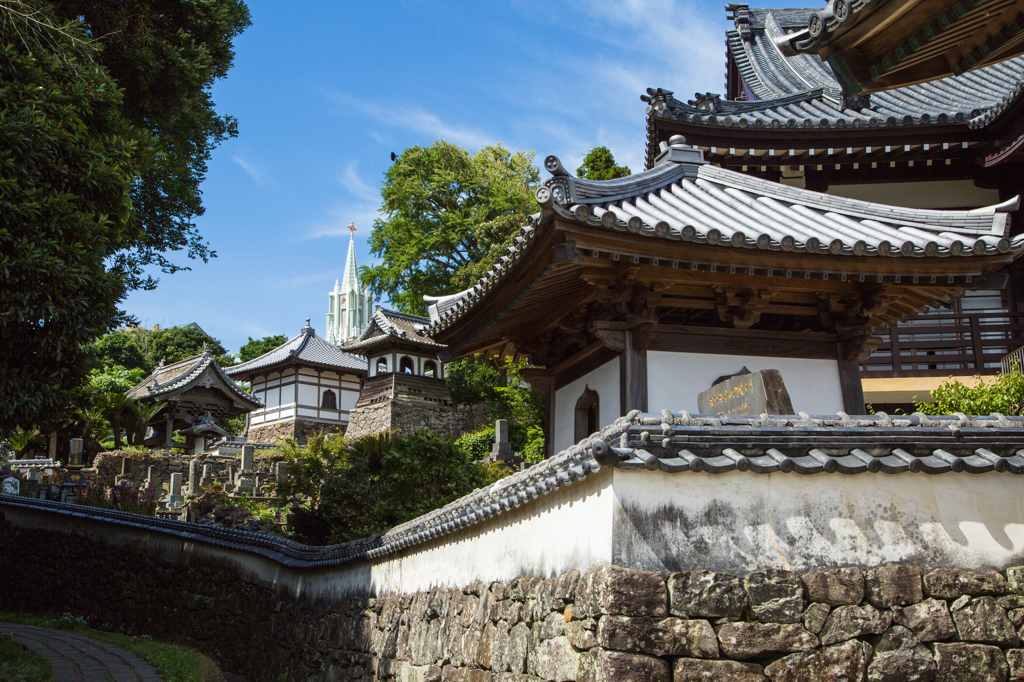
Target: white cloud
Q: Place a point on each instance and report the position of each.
(351, 181)
(337, 220)
(414, 118)
(257, 172)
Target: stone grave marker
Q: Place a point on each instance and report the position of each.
(194, 469)
(207, 474)
(248, 458)
(281, 472)
(501, 451)
(755, 393)
(10, 486)
(175, 499)
(151, 477)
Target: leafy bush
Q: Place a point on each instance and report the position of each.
(1004, 394)
(346, 490)
(121, 498)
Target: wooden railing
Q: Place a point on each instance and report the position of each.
(1013, 361)
(943, 344)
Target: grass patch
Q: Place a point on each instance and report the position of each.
(18, 664)
(174, 662)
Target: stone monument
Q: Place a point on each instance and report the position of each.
(10, 486)
(175, 499)
(194, 469)
(501, 451)
(752, 393)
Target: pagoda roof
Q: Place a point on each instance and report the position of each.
(798, 94)
(391, 326)
(305, 349)
(167, 381)
(685, 213)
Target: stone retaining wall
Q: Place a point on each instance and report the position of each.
(298, 429)
(408, 416)
(107, 466)
(610, 623)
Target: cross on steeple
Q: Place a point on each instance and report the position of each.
(352, 227)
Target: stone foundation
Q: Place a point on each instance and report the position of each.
(297, 429)
(610, 623)
(403, 415)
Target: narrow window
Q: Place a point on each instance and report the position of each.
(382, 365)
(429, 369)
(405, 366)
(329, 401)
(587, 414)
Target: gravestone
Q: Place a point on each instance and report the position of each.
(10, 486)
(194, 469)
(175, 499)
(501, 451)
(280, 472)
(747, 394)
(248, 458)
(123, 478)
(207, 474)
(151, 476)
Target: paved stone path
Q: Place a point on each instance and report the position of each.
(75, 658)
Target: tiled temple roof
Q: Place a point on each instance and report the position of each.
(685, 199)
(391, 324)
(668, 442)
(166, 380)
(305, 348)
(801, 92)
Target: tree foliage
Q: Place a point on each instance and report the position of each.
(599, 164)
(165, 56)
(1003, 394)
(66, 176)
(140, 348)
(448, 216)
(353, 489)
(253, 348)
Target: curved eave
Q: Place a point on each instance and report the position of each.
(247, 375)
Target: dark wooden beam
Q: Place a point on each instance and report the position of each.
(725, 341)
(849, 382)
(633, 372)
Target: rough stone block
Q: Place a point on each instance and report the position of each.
(846, 661)
(1016, 617)
(518, 648)
(814, 617)
(1015, 661)
(775, 596)
(598, 665)
(929, 620)
(514, 677)
(451, 674)
(959, 662)
(659, 637)
(706, 594)
(557, 661)
(1011, 601)
(757, 640)
(982, 621)
(1015, 579)
(889, 586)
(950, 583)
(899, 657)
(617, 591)
(835, 586)
(582, 633)
(552, 626)
(696, 670)
(847, 622)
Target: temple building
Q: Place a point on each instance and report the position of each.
(642, 293)
(349, 306)
(954, 143)
(199, 398)
(305, 385)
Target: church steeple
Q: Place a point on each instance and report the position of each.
(349, 307)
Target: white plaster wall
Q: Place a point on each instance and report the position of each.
(741, 522)
(556, 533)
(604, 380)
(674, 380)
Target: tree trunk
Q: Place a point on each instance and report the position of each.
(115, 423)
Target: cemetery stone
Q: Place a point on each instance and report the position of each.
(10, 486)
(194, 468)
(248, 458)
(175, 499)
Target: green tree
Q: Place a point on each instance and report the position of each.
(165, 56)
(1003, 394)
(120, 349)
(115, 378)
(253, 349)
(66, 177)
(350, 490)
(177, 343)
(448, 217)
(599, 164)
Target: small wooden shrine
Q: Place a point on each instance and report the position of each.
(199, 398)
(643, 290)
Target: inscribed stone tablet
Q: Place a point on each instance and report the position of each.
(756, 393)
(11, 486)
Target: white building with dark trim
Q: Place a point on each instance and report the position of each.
(306, 385)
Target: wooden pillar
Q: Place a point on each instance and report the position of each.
(541, 380)
(633, 372)
(169, 435)
(849, 381)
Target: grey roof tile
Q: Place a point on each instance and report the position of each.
(304, 347)
(393, 324)
(167, 379)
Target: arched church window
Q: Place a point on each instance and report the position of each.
(429, 369)
(405, 366)
(382, 365)
(329, 401)
(587, 414)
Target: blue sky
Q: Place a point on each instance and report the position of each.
(325, 91)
